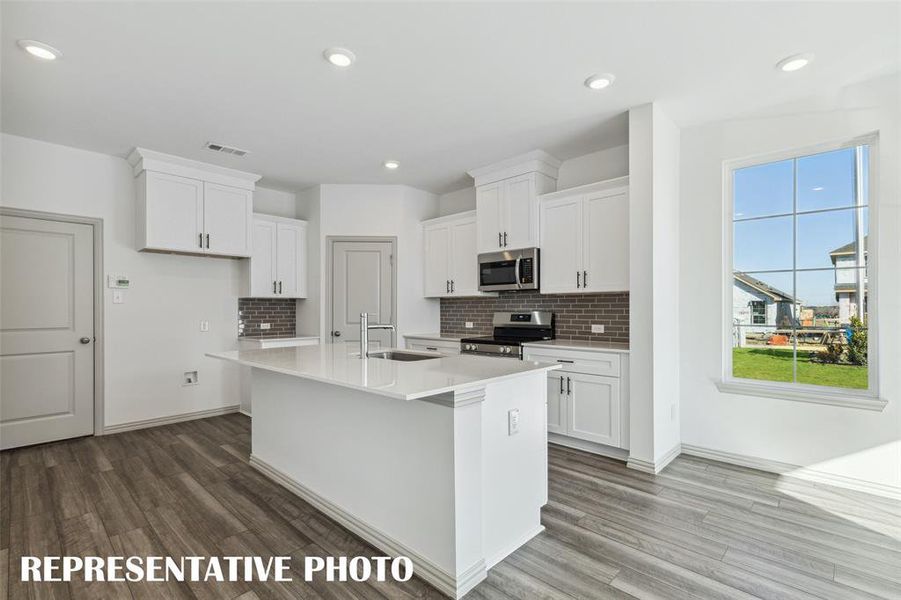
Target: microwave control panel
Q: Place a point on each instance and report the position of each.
(526, 271)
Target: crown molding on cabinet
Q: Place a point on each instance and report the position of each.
(535, 161)
(142, 159)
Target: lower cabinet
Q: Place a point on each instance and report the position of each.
(582, 404)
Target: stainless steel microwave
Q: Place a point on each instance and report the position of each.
(509, 270)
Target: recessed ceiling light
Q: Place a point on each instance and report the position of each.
(391, 164)
(599, 82)
(40, 49)
(340, 57)
(795, 62)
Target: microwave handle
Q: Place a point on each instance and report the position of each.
(516, 270)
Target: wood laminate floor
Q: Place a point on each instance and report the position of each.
(699, 530)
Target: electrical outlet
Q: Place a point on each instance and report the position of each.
(204, 326)
(596, 328)
(190, 378)
(468, 325)
(513, 421)
(265, 325)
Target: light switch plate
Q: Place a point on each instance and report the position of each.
(595, 328)
(513, 421)
(204, 326)
(468, 324)
(265, 325)
(189, 378)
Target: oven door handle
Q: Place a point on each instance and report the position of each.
(516, 271)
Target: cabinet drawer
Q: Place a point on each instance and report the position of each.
(442, 346)
(591, 363)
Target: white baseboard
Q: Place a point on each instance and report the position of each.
(144, 424)
(795, 471)
(510, 549)
(455, 587)
(658, 465)
(246, 413)
(592, 447)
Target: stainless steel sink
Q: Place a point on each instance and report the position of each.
(403, 356)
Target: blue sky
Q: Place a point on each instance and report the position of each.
(824, 181)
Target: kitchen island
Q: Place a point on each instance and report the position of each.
(442, 460)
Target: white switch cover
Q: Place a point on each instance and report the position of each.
(118, 297)
(513, 421)
(597, 328)
(204, 326)
(265, 325)
(468, 324)
(189, 378)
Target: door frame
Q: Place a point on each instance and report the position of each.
(97, 226)
(330, 241)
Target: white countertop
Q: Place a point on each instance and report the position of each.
(330, 363)
(434, 336)
(580, 345)
(271, 338)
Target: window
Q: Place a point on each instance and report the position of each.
(799, 271)
(758, 312)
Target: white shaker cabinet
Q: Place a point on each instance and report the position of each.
(585, 239)
(450, 259)
(191, 207)
(278, 265)
(507, 200)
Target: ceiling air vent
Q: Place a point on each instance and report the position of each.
(224, 149)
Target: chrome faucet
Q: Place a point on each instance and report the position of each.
(364, 333)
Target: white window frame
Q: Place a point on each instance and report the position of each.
(757, 303)
(865, 399)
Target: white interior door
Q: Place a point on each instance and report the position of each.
(362, 281)
(521, 212)
(227, 213)
(436, 241)
(606, 243)
(46, 331)
(561, 245)
(464, 258)
(291, 243)
(263, 278)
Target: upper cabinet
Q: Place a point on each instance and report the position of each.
(278, 265)
(585, 238)
(450, 258)
(192, 207)
(507, 200)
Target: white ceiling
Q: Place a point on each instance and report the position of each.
(442, 88)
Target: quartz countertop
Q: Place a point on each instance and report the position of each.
(331, 363)
(561, 344)
(434, 336)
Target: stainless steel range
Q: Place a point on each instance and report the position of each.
(511, 331)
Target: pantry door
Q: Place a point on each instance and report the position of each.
(362, 280)
(46, 330)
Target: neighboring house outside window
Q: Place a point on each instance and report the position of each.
(847, 287)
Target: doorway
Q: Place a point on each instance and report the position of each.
(50, 327)
(361, 278)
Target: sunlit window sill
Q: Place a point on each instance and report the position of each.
(799, 393)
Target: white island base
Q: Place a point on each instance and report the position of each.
(439, 478)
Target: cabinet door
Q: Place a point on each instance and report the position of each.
(290, 260)
(174, 212)
(263, 260)
(556, 406)
(561, 245)
(436, 239)
(489, 201)
(226, 219)
(606, 242)
(593, 408)
(464, 259)
(519, 212)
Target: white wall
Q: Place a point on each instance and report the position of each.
(372, 210)
(588, 168)
(275, 202)
(154, 337)
(653, 281)
(844, 442)
(308, 309)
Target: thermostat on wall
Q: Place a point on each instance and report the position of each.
(117, 281)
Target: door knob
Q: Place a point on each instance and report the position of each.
(336, 333)
(85, 340)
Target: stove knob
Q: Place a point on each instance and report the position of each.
(505, 349)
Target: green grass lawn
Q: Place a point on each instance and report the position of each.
(775, 364)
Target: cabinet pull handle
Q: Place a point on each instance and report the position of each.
(564, 360)
(578, 280)
(561, 386)
(447, 286)
(500, 244)
(569, 390)
(453, 285)
(279, 287)
(585, 279)
(274, 289)
(207, 241)
(200, 240)
(505, 239)
(433, 348)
